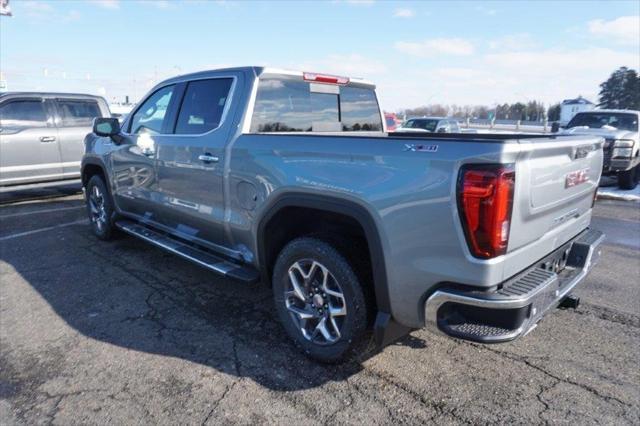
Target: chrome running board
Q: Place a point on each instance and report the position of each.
(190, 252)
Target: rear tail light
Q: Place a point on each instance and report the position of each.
(485, 201)
(325, 78)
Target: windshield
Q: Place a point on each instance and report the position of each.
(426, 124)
(595, 120)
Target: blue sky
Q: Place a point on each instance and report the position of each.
(417, 52)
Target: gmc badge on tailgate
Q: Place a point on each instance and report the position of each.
(576, 178)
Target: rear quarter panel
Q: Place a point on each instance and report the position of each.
(409, 195)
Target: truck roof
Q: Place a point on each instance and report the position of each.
(257, 71)
(596, 111)
(51, 94)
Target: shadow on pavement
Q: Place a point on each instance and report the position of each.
(137, 297)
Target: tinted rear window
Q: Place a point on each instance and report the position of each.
(289, 105)
(23, 113)
(202, 106)
(78, 112)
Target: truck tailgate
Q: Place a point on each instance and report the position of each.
(556, 179)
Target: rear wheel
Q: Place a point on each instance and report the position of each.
(99, 208)
(629, 178)
(319, 300)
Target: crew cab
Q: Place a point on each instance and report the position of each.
(289, 178)
(42, 137)
(622, 143)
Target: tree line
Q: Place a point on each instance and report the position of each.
(620, 91)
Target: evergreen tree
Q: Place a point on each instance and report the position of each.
(621, 90)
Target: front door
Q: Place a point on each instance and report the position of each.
(28, 142)
(191, 162)
(135, 180)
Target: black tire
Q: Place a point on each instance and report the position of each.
(629, 178)
(352, 328)
(101, 222)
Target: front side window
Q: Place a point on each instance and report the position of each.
(203, 105)
(23, 113)
(150, 117)
(78, 112)
(290, 105)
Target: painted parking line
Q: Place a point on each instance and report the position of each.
(40, 211)
(48, 228)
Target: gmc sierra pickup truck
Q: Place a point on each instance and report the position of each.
(289, 178)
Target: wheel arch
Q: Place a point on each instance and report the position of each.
(334, 205)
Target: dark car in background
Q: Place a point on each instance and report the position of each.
(41, 136)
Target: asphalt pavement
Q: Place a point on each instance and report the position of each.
(119, 332)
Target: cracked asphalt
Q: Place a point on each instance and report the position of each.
(123, 333)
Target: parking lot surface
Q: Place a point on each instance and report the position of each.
(123, 333)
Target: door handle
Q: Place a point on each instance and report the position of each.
(46, 139)
(208, 158)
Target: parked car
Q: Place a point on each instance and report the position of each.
(622, 145)
(287, 178)
(430, 124)
(42, 136)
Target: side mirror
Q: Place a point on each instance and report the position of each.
(442, 130)
(106, 126)
(555, 127)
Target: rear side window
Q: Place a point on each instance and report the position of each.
(78, 112)
(23, 113)
(290, 105)
(359, 109)
(150, 117)
(202, 106)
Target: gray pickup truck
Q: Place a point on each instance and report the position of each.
(42, 135)
(289, 178)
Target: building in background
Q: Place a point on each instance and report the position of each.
(571, 107)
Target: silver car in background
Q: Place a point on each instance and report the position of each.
(430, 124)
(41, 137)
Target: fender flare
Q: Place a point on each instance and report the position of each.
(334, 205)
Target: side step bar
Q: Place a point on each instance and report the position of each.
(203, 258)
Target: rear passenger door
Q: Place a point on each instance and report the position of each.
(191, 161)
(28, 142)
(74, 121)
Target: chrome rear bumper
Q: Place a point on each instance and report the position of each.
(514, 308)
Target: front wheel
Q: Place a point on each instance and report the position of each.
(99, 208)
(629, 178)
(319, 300)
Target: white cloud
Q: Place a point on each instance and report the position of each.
(107, 4)
(41, 11)
(404, 13)
(522, 41)
(361, 2)
(436, 46)
(486, 11)
(547, 75)
(625, 29)
(353, 65)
